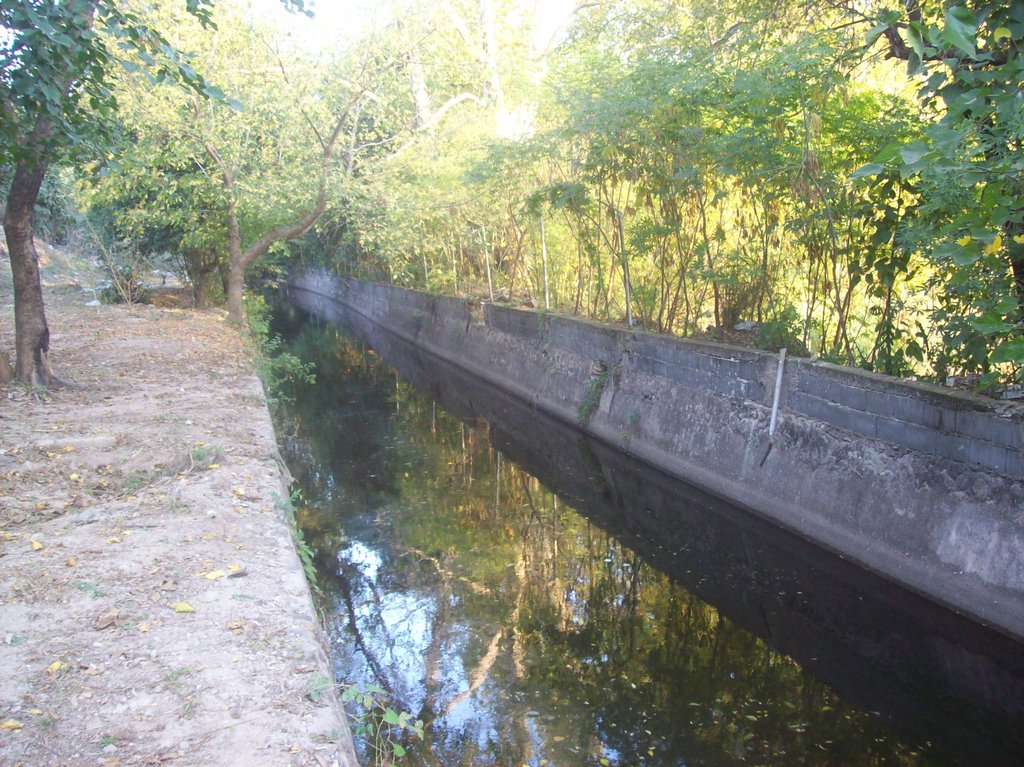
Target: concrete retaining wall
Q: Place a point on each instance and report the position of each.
(919, 484)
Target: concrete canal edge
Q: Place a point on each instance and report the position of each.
(919, 484)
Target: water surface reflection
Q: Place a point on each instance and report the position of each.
(463, 581)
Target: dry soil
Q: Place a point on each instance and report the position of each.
(153, 609)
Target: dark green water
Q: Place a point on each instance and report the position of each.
(555, 604)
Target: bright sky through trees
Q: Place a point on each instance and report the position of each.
(337, 23)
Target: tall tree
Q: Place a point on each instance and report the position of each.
(56, 61)
(54, 91)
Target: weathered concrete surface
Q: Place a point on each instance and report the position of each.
(920, 485)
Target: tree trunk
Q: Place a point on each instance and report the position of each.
(418, 89)
(31, 331)
(236, 267)
(6, 371)
(199, 290)
(240, 260)
(32, 335)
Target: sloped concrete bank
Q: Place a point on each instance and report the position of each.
(922, 486)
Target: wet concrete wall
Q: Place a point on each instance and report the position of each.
(920, 485)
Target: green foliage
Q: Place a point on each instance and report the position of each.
(694, 164)
(380, 726)
(782, 330)
(57, 61)
(281, 371)
(317, 686)
(962, 204)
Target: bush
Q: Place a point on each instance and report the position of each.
(782, 331)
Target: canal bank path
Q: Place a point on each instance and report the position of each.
(153, 608)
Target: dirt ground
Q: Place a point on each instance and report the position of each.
(153, 609)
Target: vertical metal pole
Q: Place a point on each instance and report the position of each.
(775, 405)
(778, 393)
(544, 255)
(626, 282)
(487, 263)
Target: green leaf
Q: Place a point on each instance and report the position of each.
(1002, 33)
(915, 39)
(989, 325)
(960, 30)
(913, 152)
(866, 171)
(1009, 351)
(876, 32)
(390, 717)
(399, 751)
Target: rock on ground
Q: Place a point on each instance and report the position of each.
(153, 609)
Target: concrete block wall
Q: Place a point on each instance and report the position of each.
(918, 417)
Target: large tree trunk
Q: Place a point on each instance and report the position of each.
(32, 344)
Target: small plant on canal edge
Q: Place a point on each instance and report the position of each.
(593, 397)
(379, 725)
(287, 507)
(280, 371)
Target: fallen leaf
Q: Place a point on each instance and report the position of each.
(36, 545)
(184, 607)
(238, 490)
(106, 620)
(237, 626)
(11, 724)
(213, 466)
(71, 562)
(143, 628)
(209, 537)
(214, 575)
(36, 711)
(74, 477)
(56, 667)
(234, 568)
(42, 506)
(69, 448)
(114, 539)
